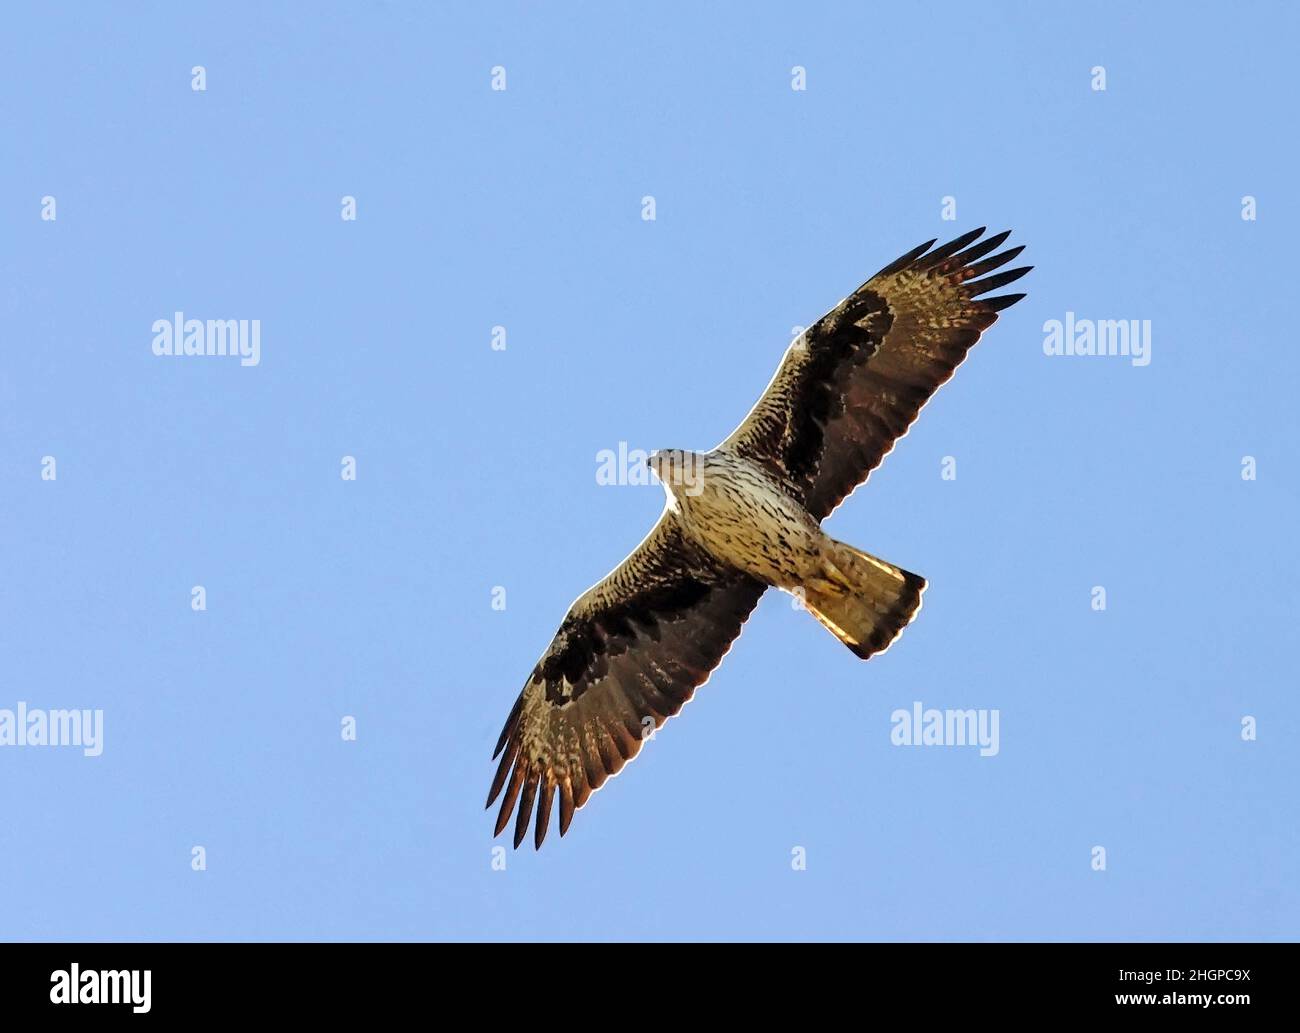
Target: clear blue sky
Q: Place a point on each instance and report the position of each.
(476, 468)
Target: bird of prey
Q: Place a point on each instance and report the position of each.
(744, 517)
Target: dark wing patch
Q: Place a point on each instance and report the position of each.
(854, 381)
(629, 655)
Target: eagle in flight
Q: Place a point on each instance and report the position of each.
(745, 517)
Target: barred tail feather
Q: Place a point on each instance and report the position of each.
(863, 601)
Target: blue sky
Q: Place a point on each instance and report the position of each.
(476, 468)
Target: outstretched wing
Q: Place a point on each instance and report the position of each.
(630, 653)
(853, 382)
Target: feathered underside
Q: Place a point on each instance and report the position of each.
(633, 649)
(853, 382)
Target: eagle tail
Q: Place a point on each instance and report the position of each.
(863, 601)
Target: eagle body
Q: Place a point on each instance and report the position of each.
(741, 515)
(746, 516)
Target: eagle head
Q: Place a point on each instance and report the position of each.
(679, 471)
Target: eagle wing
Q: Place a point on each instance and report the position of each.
(630, 652)
(853, 382)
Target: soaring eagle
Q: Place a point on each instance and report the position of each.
(741, 518)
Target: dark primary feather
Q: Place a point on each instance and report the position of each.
(629, 655)
(854, 381)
